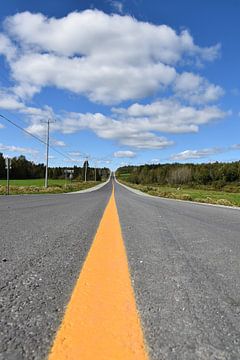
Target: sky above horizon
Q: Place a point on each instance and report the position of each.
(122, 82)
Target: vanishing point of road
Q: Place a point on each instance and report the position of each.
(111, 274)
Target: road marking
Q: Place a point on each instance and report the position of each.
(101, 320)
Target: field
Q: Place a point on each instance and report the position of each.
(191, 194)
(34, 182)
(36, 186)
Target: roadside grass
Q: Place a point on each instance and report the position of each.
(199, 195)
(34, 182)
(36, 186)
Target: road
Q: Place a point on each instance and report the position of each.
(183, 262)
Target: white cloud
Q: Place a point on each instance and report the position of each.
(196, 154)
(146, 140)
(75, 153)
(138, 126)
(2, 126)
(9, 101)
(92, 31)
(104, 83)
(111, 129)
(6, 47)
(56, 142)
(73, 161)
(25, 91)
(37, 118)
(196, 89)
(203, 153)
(124, 154)
(108, 58)
(117, 5)
(106, 162)
(235, 147)
(169, 116)
(18, 149)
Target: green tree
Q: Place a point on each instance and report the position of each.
(2, 167)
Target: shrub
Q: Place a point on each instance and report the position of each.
(224, 202)
(185, 197)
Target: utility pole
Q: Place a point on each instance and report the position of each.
(95, 171)
(47, 154)
(85, 169)
(8, 163)
(47, 150)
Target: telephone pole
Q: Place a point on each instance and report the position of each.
(95, 170)
(8, 163)
(48, 122)
(85, 169)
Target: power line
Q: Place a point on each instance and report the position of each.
(84, 155)
(27, 132)
(22, 129)
(35, 137)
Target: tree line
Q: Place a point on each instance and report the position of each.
(217, 174)
(24, 169)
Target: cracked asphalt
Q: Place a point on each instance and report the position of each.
(183, 259)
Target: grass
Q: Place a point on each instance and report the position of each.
(36, 186)
(200, 195)
(34, 182)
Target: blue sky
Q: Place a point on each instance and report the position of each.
(125, 82)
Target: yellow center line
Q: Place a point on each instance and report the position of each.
(101, 320)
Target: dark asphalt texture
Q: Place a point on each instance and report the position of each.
(44, 240)
(185, 267)
(184, 260)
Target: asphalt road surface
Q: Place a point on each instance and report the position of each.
(184, 262)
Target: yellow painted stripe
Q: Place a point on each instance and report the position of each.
(101, 320)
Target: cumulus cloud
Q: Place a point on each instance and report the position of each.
(108, 58)
(203, 153)
(138, 126)
(7, 48)
(196, 89)
(196, 154)
(1, 126)
(105, 83)
(124, 154)
(37, 119)
(169, 116)
(9, 101)
(18, 149)
(109, 128)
